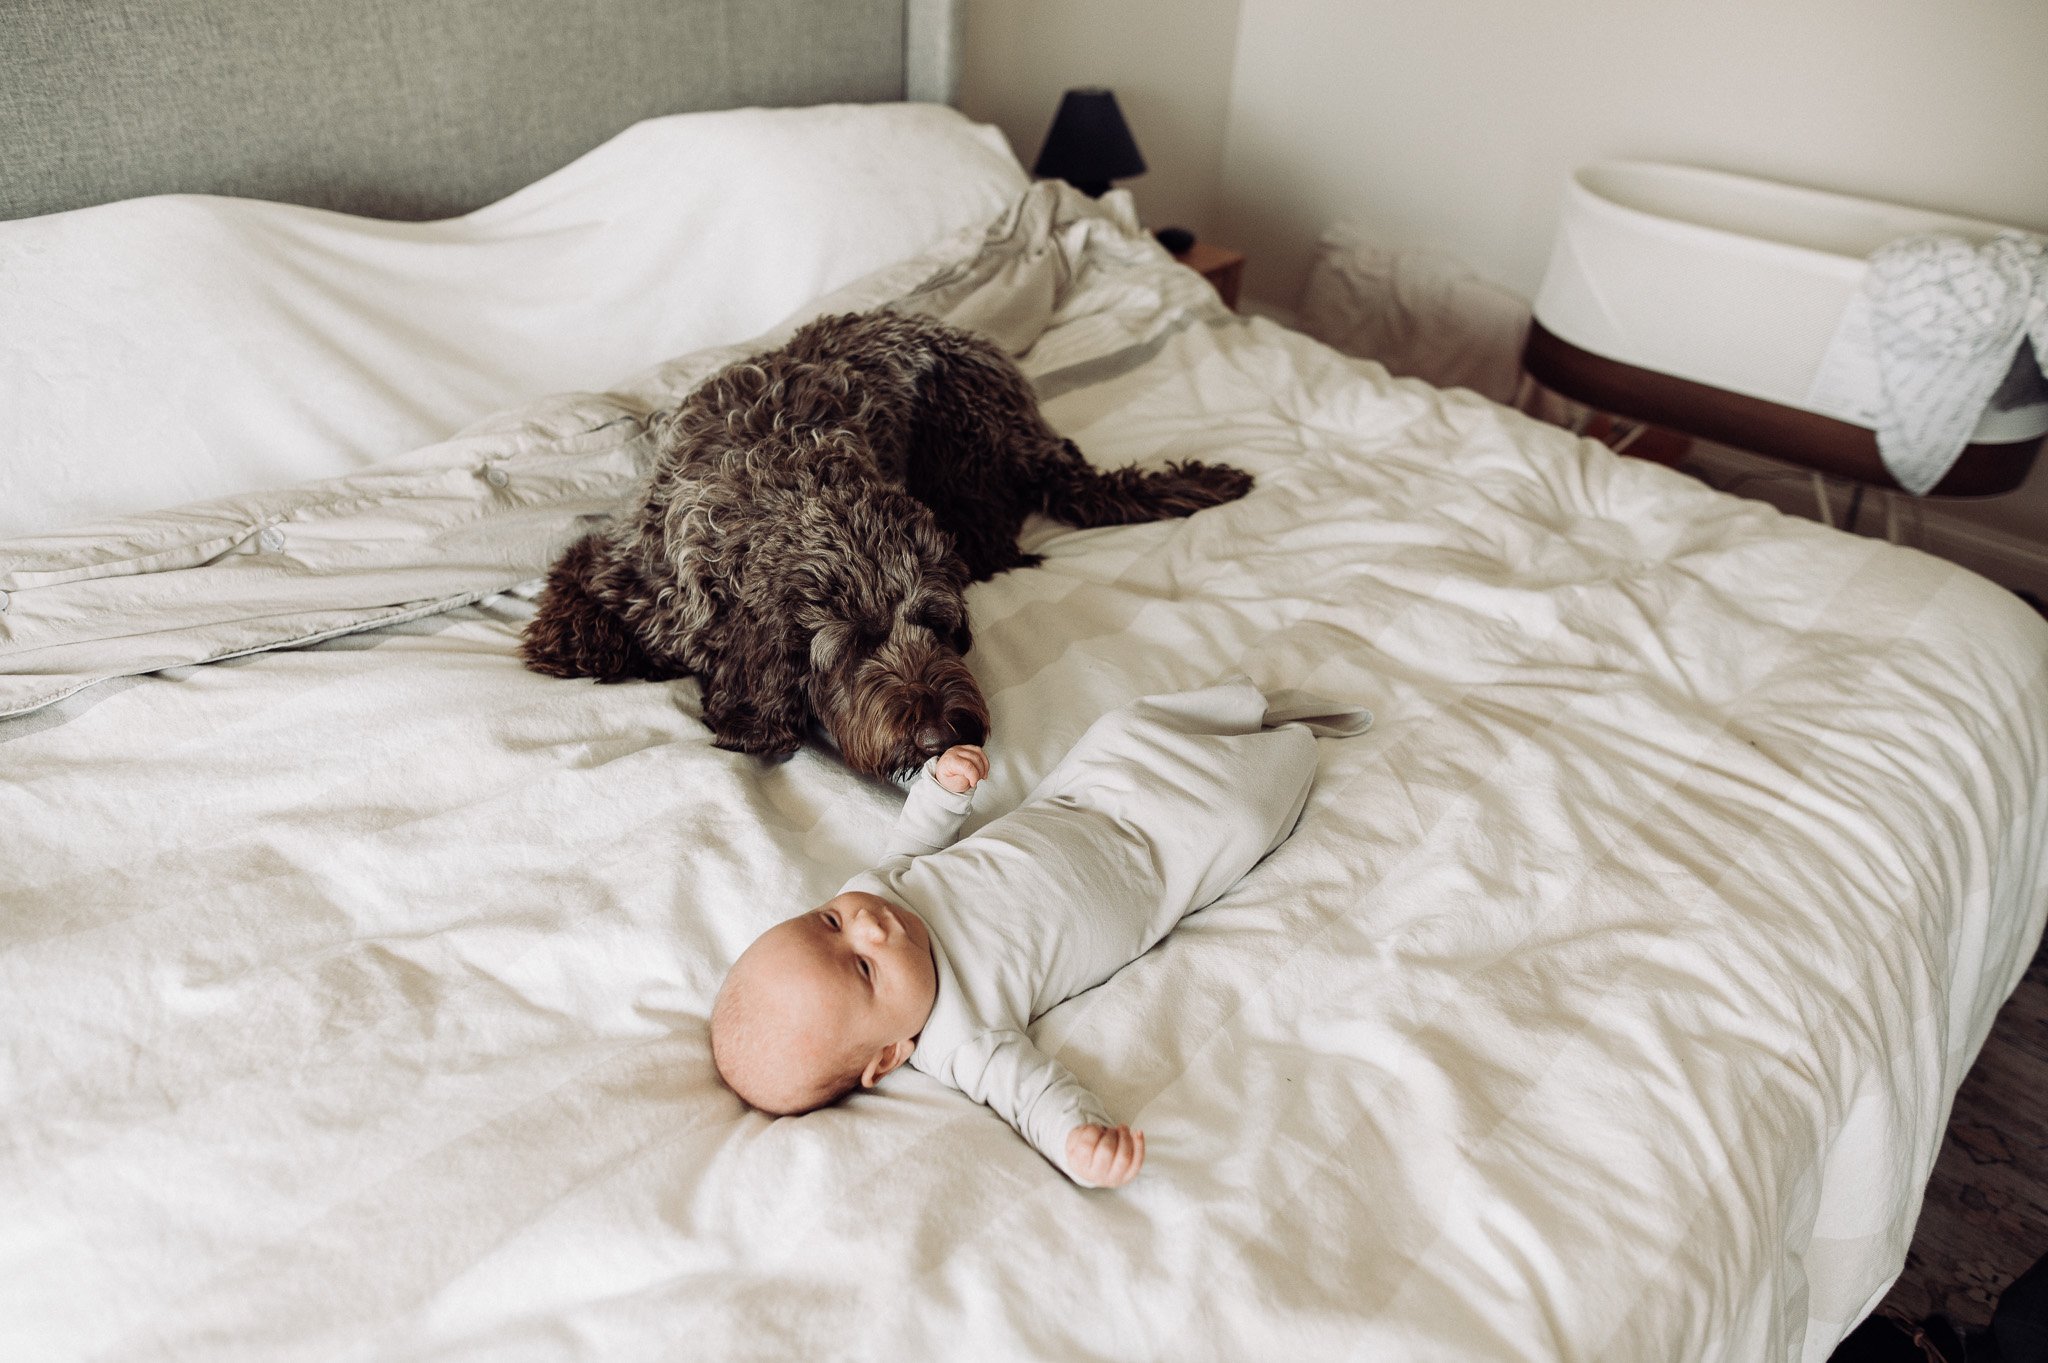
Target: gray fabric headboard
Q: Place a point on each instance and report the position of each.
(409, 108)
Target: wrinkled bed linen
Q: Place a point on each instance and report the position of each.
(447, 524)
(1607, 1002)
(167, 349)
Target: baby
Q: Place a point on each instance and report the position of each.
(943, 954)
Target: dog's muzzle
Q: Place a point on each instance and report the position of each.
(957, 727)
(892, 722)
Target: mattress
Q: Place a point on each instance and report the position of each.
(1606, 1003)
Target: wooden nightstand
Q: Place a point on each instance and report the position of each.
(1219, 265)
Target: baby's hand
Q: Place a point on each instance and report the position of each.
(1105, 1156)
(961, 768)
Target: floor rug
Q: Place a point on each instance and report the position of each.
(1986, 1214)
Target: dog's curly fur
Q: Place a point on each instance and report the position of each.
(805, 539)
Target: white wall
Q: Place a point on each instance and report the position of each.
(1454, 123)
(1169, 62)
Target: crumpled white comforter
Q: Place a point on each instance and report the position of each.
(1606, 1004)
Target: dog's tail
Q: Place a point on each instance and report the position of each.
(573, 634)
(1083, 495)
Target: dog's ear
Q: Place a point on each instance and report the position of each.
(829, 644)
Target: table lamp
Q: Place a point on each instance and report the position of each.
(1089, 144)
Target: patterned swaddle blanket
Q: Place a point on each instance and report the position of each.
(1947, 319)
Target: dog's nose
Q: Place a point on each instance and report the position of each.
(933, 739)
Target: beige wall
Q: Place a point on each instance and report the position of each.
(1454, 123)
(1169, 62)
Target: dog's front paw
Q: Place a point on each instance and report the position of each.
(743, 730)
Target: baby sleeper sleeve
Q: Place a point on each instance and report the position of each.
(931, 816)
(1028, 1089)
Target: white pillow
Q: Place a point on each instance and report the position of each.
(169, 349)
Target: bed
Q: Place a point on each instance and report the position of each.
(1607, 1002)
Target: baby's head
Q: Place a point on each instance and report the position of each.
(824, 1003)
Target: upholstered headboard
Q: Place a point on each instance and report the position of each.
(409, 108)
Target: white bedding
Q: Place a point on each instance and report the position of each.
(180, 347)
(1607, 1003)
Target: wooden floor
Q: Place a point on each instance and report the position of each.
(1986, 1214)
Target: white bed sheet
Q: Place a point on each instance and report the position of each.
(1607, 1003)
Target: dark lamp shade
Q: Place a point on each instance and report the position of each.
(1089, 144)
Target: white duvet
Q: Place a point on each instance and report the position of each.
(1606, 1004)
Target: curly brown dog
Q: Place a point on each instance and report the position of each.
(805, 539)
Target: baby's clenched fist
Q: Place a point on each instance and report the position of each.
(961, 768)
(1105, 1156)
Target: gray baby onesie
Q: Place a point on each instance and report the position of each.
(1160, 807)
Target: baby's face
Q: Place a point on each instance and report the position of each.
(854, 972)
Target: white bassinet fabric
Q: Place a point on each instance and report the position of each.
(1743, 284)
(1946, 320)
